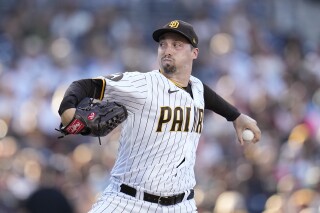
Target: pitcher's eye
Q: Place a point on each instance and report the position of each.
(177, 44)
(161, 44)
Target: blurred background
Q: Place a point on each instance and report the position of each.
(261, 55)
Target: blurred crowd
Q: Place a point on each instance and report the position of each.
(251, 54)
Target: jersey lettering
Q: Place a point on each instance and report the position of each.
(200, 121)
(179, 118)
(165, 117)
(186, 126)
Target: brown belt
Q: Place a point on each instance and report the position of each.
(162, 200)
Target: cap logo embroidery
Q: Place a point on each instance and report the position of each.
(174, 24)
(194, 40)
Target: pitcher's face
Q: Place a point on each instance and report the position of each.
(175, 53)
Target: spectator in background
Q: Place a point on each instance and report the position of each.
(48, 200)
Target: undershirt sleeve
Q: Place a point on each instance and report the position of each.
(217, 104)
(78, 90)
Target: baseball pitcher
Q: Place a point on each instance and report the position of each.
(162, 113)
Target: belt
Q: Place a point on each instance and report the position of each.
(162, 200)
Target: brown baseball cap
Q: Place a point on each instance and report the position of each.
(178, 26)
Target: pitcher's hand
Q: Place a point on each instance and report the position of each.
(245, 122)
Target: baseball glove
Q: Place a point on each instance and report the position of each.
(95, 118)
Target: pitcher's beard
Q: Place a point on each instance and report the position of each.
(169, 69)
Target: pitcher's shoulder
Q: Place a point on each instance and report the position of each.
(140, 73)
(195, 80)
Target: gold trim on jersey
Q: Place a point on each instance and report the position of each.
(176, 83)
(102, 88)
(173, 81)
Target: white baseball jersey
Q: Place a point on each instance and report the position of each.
(158, 141)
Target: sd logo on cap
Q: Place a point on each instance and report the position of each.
(180, 27)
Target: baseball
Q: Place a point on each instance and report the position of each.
(247, 135)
